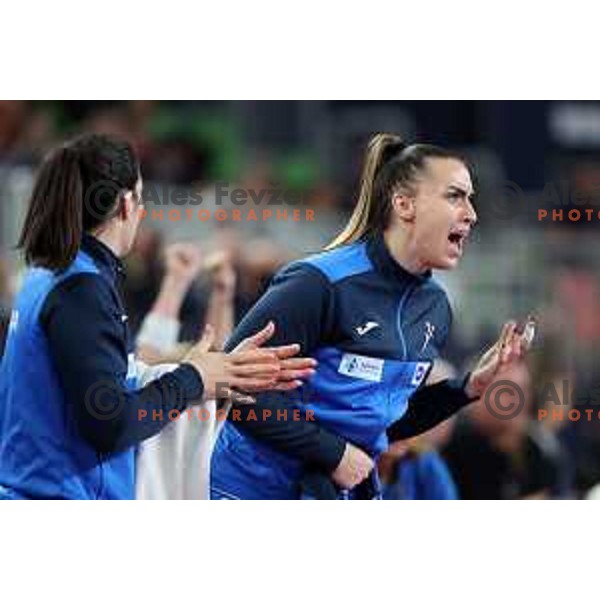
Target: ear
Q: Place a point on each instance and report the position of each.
(403, 206)
(126, 205)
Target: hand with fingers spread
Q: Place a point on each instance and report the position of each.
(511, 347)
(249, 368)
(293, 368)
(223, 374)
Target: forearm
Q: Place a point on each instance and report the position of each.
(110, 415)
(128, 417)
(220, 314)
(88, 346)
(170, 297)
(429, 406)
(304, 322)
(304, 440)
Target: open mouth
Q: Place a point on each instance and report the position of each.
(457, 240)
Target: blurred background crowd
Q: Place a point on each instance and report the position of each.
(526, 156)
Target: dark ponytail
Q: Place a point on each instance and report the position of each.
(78, 187)
(390, 164)
(52, 231)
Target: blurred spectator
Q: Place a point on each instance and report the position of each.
(568, 363)
(144, 274)
(12, 120)
(257, 262)
(27, 131)
(497, 457)
(553, 397)
(145, 270)
(417, 474)
(175, 463)
(413, 469)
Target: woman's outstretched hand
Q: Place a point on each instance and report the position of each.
(511, 347)
(249, 368)
(293, 369)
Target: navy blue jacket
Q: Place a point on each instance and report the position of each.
(69, 403)
(375, 330)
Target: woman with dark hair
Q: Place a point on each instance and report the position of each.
(71, 407)
(371, 314)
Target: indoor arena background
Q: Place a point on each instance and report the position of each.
(528, 157)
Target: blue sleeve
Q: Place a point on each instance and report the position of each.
(301, 303)
(87, 341)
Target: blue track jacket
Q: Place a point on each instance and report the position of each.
(375, 330)
(69, 403)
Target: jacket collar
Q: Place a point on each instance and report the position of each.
(385, 263)
(102, 255)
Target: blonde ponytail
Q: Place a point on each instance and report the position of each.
(361, 218)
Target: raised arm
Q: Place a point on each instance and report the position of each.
(432, 404)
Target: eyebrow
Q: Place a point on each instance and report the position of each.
(457, 188)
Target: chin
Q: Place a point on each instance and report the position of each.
(447, 263)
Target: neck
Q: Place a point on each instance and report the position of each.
(399, 246)
(509, 441)
(110, 238)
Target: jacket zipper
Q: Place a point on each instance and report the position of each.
(399, 320)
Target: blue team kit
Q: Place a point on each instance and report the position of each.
(385, 329)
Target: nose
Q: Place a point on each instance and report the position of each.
(470, 214)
